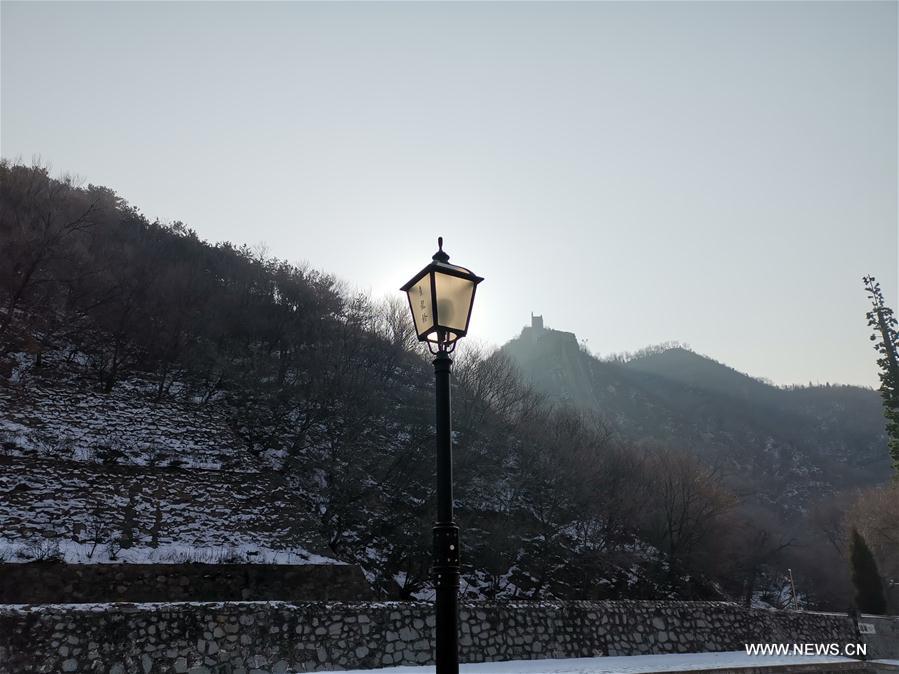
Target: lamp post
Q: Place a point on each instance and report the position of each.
(441, 297)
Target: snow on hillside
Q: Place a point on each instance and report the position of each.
(74, 552)
(66, 420)
(84, 512)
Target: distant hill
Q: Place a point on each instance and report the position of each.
(785, 446)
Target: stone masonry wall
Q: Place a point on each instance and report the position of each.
(263, 637)
(884, 643)
(51, 582)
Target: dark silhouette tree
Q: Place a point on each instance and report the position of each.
(886, 343)
(869, 597)
(37, 217)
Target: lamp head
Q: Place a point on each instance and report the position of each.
(441, 297)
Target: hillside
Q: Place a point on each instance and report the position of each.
(163, 397)
(786, 446)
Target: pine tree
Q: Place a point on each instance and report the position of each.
(869, 597)
(886, 343)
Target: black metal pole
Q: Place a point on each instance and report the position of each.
(446, 533)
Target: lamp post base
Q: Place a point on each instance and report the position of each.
(446, 583)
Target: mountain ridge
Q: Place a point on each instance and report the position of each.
(822, 438)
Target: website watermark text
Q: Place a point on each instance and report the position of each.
(828, 649)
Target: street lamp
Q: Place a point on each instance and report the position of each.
(441, 297)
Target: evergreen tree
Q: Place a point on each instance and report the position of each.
(886, 343)
(869, 597)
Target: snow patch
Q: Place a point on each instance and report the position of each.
(634, 664)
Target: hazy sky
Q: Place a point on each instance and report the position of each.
(718, 173)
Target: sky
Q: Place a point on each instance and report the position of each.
(716, 173)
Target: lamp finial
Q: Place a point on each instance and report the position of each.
(440, 256)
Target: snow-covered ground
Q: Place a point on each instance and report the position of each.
(89, 513)
(66, 420)
(119, 477)
(635, 664)
(73, 552)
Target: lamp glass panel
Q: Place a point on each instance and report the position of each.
(453, 300)
(420, 301)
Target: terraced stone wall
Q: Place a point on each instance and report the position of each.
(269, 637)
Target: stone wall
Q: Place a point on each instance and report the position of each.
(265, 637)
(884, 643)
(51, 582)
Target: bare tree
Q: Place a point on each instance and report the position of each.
(876, 516)
(687, 501)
